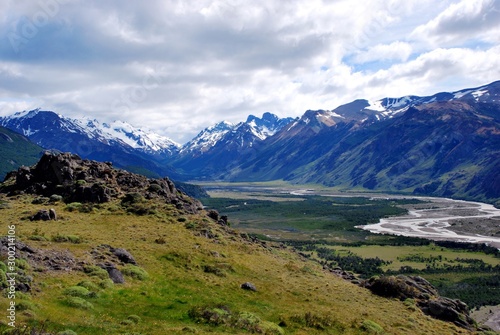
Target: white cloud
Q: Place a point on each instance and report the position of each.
(177, 67)
(462, 21)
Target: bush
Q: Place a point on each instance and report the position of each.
(132, 198)
(73, 207)
(55, 198)
(67, 332)
(134, 318)
(3, 280)
(40, 201)
(37, 238)
(371, 327)
(66, 238)
(78, 302)
(95, 271)
(155, 188)
(24, 305)
(221, 315)
(135, 272)
(106, 283)
(22, 264)
(78, 291)
(88, 285)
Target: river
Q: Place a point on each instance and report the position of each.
(436, 219)
(445, 219)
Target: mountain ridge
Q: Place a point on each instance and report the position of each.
(350, 146)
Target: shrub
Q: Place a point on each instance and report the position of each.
(135, 272)
(3, 280)
(40, 200)
(88, 285)
(270, 328)
(78, 291)
(55, 198)
(134, 318)
(73, 207)
(37, 238)
(155, 188)
(78, 302)
(95, 271)
(106, 283)
(67, 332)
(24, 305)
(22, 264)
(132, 198)
(371, 327)
(223, 316)
(66, 238)
(217, 315)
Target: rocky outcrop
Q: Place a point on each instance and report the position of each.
(86, 181)
(425, 296)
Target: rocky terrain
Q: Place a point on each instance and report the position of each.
(78, 180)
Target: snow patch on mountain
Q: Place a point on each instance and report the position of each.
(117, 131)
(242, 133)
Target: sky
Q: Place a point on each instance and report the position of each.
(176, 67)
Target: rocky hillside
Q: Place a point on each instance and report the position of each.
(77, 180)
(120, 253)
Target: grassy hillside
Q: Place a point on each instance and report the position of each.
(187, 279)
(16, 150)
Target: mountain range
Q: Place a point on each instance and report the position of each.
(447, 144)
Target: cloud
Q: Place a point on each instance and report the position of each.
(176, 67)
(462, 21)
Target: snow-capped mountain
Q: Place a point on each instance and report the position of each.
(118, 142)
(207, 138)
(390, 107)
(29, 123)
(224, 145)
(242, 134)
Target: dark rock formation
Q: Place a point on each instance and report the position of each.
(248, 286)
(52, 214)
(425, 295)
(124, 256)
(114, 274)
(85, 181)
(42, 215)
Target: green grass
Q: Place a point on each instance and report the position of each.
(294, 294)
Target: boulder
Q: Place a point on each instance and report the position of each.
(426, 296)
(124, 256)
(248, 286)
(42, 214)
(114, 274)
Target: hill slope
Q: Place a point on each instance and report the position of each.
(146, 259)
(16, 150)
